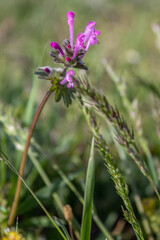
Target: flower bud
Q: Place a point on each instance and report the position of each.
(55, 45)
(71, 16)
(68, 214)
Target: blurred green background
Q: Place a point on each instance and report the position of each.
(127, 41)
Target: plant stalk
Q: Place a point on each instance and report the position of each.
(24, 158)
(71, 230)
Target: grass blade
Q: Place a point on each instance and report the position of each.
(62, 227)
(88, 198)
(80, 198)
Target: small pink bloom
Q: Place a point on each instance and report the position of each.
(69, 46)
(55, 45)
(68, 78)
(71, 16)
(79, 44)
(89, 30)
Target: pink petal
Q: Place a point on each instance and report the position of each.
(79, 44)
(71, 16)
(92, 41)
(97, 33)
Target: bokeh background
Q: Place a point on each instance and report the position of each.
(62, 136)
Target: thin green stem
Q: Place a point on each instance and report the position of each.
(24, 158)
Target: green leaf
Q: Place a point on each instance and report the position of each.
(58, 95)
(88, 198)
(41, 74)
(54, 88)
(67, 99)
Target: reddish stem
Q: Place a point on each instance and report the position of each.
(24, 158)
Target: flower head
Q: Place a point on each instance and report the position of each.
(70, 55)
(89, 37)
(73, 53)
(11, 235)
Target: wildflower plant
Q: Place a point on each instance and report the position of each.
(62, 80)
(71, 56)
(65, 85)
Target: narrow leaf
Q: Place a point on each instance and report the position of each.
(88, 197)
(62, 227)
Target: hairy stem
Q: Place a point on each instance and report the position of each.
(24, 158)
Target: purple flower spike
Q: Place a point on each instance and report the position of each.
(89, 31)
(92, 41)
(71, 16)
(55, 45)
(68, 78)
(79, 44)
